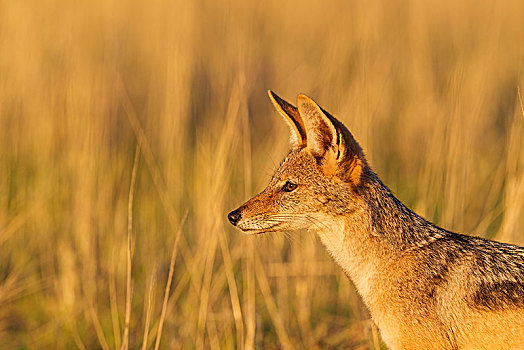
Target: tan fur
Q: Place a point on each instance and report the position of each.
(355, 171)
(425, 287)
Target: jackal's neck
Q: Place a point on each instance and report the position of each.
(380, 231)
(392, 222)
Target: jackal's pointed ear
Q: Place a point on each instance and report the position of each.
(292, 116)
(331, 142)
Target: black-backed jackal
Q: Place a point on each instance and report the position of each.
(425, 287)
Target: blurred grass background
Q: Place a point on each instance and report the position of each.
(176, 90)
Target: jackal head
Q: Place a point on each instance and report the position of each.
(319, 179)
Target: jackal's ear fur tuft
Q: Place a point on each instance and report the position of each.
(292, 116)
(331, 142)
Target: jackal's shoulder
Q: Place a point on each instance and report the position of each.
(490, 273)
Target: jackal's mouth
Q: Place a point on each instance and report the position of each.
(259, 230)
(253, 231)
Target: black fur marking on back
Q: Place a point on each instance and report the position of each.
(440, 265)
(499, 295)
(501, 270)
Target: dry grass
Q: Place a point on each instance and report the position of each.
(429, 89)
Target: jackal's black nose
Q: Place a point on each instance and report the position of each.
(234, 217)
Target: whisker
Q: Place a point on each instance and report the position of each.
(293, 238)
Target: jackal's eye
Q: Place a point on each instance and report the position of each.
(289, 186)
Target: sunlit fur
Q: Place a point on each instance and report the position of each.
(425, 287)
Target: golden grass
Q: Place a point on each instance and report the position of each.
(428, 88)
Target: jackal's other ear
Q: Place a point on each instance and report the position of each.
(292, 116)
(331, 142)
